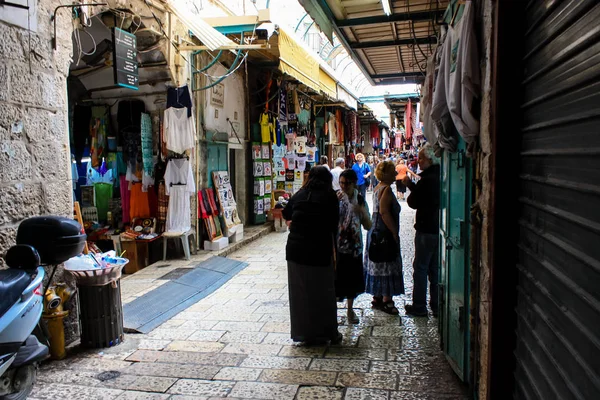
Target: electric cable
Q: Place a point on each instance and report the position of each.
(220, 78)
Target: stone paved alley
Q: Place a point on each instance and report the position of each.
(235, 344)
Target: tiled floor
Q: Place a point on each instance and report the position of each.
(235, 344)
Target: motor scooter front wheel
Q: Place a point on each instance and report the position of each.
(20, 381)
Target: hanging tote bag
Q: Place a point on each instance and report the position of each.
(383, 246)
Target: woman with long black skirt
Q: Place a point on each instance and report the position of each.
(313, 216)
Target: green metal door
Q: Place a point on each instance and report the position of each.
(217, 160)
(454, 253)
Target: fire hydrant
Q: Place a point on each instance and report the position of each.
(56, 296)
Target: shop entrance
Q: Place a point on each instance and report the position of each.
(455, 201)
(132, 137)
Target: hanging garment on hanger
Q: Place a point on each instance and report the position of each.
(129, 124)
(265, 128)
(98, 130)
(103, 193)
(179, 130)
(146, 128)
(179, 181)
(179, 97)
(139, 204)
(457, 88)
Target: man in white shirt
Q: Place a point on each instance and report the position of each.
(340, 165)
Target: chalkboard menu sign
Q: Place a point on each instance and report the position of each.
(125, 64)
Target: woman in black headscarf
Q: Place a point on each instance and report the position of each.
(313, 216)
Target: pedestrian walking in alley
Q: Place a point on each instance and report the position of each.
(313, 217)
(425, 198)
(363, 171)
(324, 161)
(401, 170)
(340, 165)
(383, 277)
(354, 213)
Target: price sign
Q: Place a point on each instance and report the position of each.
(125, 64)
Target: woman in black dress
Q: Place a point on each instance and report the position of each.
(354, 214)
(313, 216)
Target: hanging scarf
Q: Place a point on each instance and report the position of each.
(146, 127)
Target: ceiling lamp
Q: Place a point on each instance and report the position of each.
(386, 7)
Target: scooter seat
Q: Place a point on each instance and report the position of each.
(12, 284)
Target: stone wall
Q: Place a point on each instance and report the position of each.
(35, 174)
(483, 213)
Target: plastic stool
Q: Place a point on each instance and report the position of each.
(185, 242)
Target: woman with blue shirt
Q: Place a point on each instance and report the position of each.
(363, 172)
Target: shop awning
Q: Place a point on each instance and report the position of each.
(297, 62)
(208, 35)
(327, 84)
(346, 97)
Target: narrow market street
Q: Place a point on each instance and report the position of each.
(235, 344)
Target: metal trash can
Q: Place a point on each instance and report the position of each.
(100, 307)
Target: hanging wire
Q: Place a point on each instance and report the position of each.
(218, 78)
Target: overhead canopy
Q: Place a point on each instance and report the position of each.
(389, 49)
(208, 35)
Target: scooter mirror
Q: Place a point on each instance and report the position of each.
(22, 256)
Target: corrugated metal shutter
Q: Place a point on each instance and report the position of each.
(558, 310)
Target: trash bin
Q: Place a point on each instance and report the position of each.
(100, 307)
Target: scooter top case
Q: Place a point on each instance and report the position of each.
(55, 238)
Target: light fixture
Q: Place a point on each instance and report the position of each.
(386, 7)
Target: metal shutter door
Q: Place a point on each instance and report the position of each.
(558, 305)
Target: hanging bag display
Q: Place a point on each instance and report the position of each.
(383, 246)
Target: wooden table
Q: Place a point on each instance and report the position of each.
(140, 253)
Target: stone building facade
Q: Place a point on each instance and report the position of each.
(35, 173)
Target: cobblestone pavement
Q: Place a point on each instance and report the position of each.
(235, 344)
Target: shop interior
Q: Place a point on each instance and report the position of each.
(132, 176)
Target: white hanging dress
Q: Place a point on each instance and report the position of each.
(179, 185)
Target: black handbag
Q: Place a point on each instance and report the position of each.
(382, 246)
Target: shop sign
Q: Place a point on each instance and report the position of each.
(125, 63)
(217, 95)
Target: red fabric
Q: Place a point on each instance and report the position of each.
(374, 131)
(211, 200)
(408, 119)
(201, 210)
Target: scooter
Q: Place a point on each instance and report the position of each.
(41, 241)
(21, 304)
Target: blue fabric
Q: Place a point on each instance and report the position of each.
(425, 266)
(360, 172)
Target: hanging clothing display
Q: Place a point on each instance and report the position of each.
(103, 193)
(179, 185)
(426, 98)
(139, 204)
(179, 130)
(129, 118)
(457, 86)
(98, 133)
(179, 97)
(146, 130)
